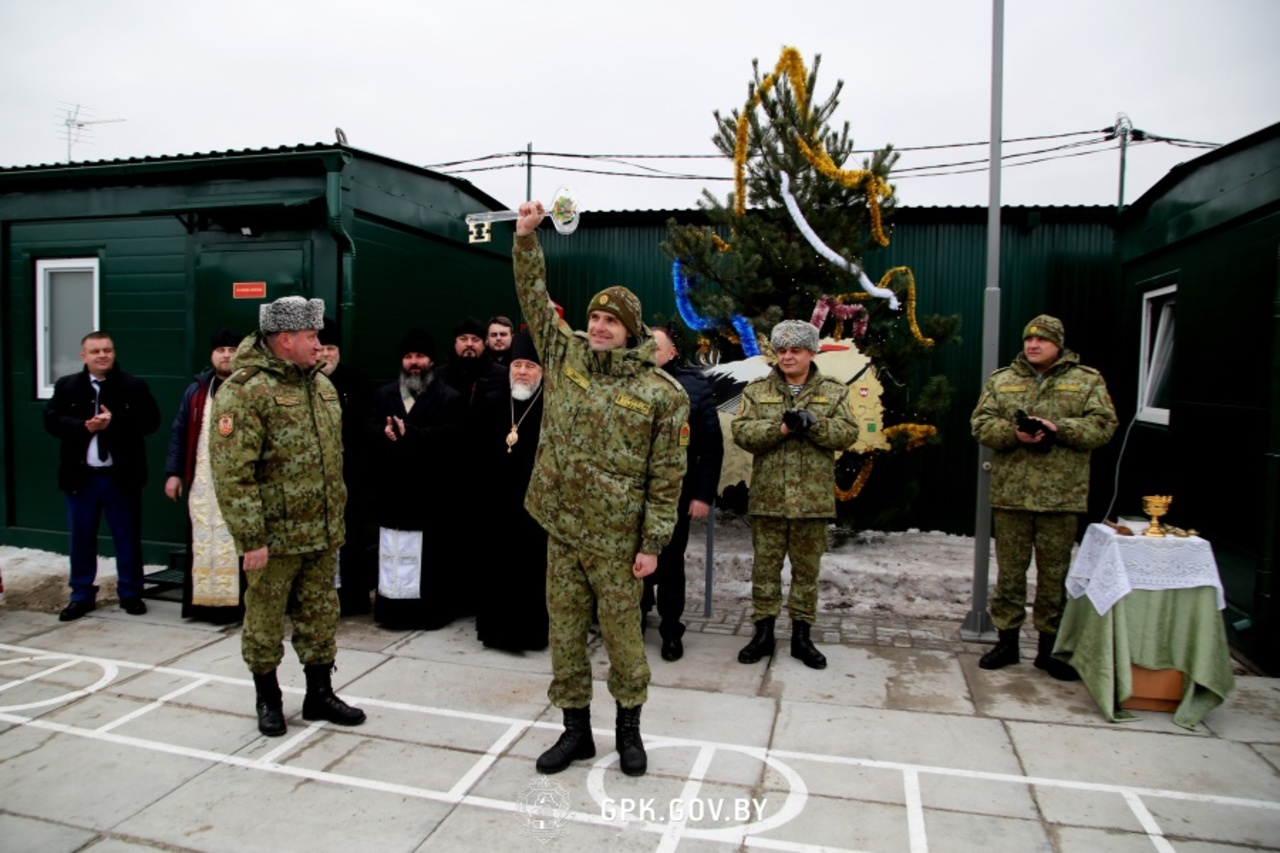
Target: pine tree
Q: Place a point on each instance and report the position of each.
(754, 261)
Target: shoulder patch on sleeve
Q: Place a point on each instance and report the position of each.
(226, 425)
(684, 434)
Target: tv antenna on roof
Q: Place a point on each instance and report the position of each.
(77, 125)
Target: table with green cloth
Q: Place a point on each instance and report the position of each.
(1169, 627)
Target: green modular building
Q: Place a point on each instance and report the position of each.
(162, 251)
(1200, 264)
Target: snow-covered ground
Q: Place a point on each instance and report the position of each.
(912, 574)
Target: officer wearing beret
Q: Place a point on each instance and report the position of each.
(605, 485)
(1042, 415)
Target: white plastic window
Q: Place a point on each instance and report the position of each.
(66, 311)
(1155, 378)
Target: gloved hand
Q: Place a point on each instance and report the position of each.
(799, 421)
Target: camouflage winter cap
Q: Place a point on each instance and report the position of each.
(1044, 326)
(794, 333)
(291, 314)
(621, 303)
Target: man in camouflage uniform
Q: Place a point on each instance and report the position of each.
(792, 421)
(276, 451)
(1039, 480)
(605, 485)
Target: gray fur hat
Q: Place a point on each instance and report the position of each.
(291, 314)
(794, 333)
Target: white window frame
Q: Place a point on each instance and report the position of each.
(44, 347)
(1158, 336)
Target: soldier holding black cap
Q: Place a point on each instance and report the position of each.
(1042, 415)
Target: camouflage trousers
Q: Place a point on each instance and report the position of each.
(573, 578)
(802, 539)
(1018, 533)
(301, 586)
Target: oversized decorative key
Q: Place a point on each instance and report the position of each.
(564, 214)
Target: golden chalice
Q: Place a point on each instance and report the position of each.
(1156, 506)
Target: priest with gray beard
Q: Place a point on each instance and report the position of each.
(414, 431)
(512, 612)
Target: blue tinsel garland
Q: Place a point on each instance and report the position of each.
(691, 319)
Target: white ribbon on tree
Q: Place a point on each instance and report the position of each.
(827, 252)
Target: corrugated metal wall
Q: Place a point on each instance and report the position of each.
(1055, 260)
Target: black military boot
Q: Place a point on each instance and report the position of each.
(270, 704)
(1045, 660)
(761, 644)
(321, 703)
(631, 755)
(575, 742)
(803, 648)
(1005, 652)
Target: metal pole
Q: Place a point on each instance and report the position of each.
(1124, 128)
(528, 171)
(977, 626)
(711, 561)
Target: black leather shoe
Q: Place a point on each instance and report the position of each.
(631, 755)
(75, 610)
(321, 703)
(1045, 660)
(672, 649)
(803, 648)
(133, 606)
(761, 644)
(575, 742)
(269, 703)
(1005, 653)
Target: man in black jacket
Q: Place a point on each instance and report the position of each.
(706, 452)
(101, 415)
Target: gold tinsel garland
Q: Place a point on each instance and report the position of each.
(791, 63)
(917, 434)
(858, 482)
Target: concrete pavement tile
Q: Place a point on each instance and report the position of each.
(1075, 839)
(1270, 753)
(874, 677)
(216, 696)
(1022, 692)
(43, 772)
(942, 740)
(133, 639)
(846, 781)
(977, 796)
(710, 664)
(707, 715)
(246, 809)
(841, 824)
(1251, 714)
(1143, 759)
(219, 657)
(19, 626)
(961, 832)
(349, 753)
(121, 845)
(193, 728)
(361, 633)
(454, 643)
(1210, 847)
(1097, 809)
(24, 833)
(502, 692)
(474, 828)
(456, 731)
(1226, 824)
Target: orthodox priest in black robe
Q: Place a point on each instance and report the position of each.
(512, 609)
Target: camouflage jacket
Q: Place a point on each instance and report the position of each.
(1071, 395)
(611, 457)
(793, 476)
(276, 450)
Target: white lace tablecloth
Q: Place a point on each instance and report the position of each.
(1109, 565)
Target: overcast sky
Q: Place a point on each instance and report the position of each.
(433, 82)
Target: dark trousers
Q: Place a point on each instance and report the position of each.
(669, 579)
(102, 495)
